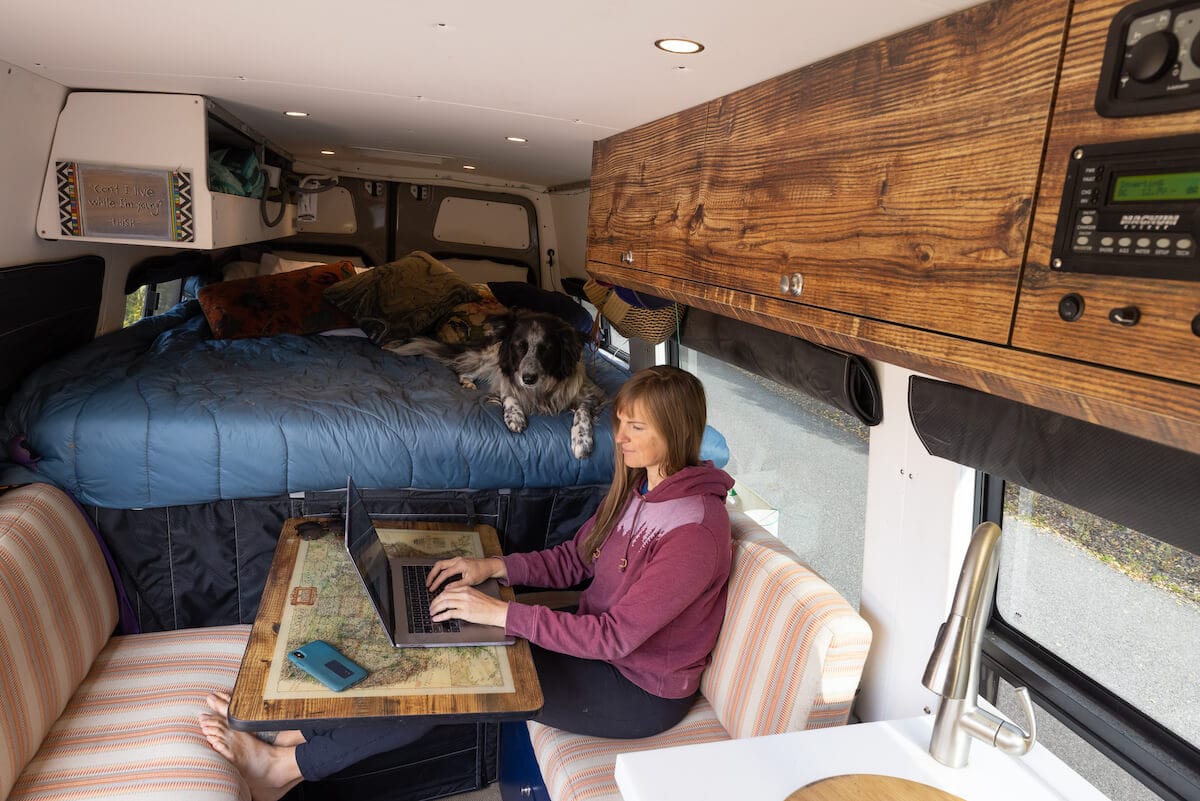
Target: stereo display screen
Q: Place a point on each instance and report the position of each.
(1163, 186)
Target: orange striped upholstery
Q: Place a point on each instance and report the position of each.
(83, 715)
(57, 609)
(131, 729)
(791, 651)
(789, 657)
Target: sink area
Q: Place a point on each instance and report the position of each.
(771, 768)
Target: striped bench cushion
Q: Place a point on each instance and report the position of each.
(57, 609)
(578, 767)
(131, 729)
(789, 657)
(791, 651)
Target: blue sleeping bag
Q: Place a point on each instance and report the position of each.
(159, 414)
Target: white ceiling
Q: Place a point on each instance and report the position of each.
(447, 78)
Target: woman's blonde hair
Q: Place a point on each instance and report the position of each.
(673, 403)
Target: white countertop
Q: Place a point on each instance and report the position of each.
(772, 768)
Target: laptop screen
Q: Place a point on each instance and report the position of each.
(366, 549)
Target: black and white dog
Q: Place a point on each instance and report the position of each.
(532, 363)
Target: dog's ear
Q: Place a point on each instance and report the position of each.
(497, 327)
(572, 348)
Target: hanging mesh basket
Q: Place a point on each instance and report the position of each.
(635, 314)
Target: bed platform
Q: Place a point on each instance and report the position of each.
(188, 452)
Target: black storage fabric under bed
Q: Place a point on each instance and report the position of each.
(206, 564)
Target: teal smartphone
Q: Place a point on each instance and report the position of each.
(327, 665)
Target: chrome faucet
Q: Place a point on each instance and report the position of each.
(953, 670)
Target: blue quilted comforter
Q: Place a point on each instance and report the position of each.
(159, 414)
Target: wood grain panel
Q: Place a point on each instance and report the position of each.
(898, 178)
(1162, 343)
(250, 711)
(644, 193)
(1162, 411)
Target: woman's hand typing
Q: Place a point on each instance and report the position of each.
(463, 571)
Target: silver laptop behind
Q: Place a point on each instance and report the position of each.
(396, 587)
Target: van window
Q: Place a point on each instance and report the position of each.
(151, 299)
(468, 221)
(1139, 632)
(1117, 606)
(798, 456)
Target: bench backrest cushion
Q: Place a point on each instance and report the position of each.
(57, 610)
(791, 652)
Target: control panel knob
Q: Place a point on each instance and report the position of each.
(1150, 58)
(1070, 307)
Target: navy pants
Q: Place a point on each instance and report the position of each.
(583, 696)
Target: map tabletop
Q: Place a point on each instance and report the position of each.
(313, 593)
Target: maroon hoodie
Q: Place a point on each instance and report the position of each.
(657, 619)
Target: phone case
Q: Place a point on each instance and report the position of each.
(327, 665)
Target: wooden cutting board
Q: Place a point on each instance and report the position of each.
(869, 787)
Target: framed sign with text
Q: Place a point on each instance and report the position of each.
(125, 203)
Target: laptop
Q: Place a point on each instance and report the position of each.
(396, 587)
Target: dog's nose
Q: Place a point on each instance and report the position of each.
(529, 379)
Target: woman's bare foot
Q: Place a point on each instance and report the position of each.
(281, 738)
(269, 770)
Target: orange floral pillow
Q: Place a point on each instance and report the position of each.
(463, 325)
(283, 303)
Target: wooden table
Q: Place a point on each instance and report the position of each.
(313, 704)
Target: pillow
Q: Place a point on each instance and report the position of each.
(237, 270)
(266, 305)
(272, 264)
(478, 271)
(397, 301)
(464, 324)
(318, 258)
(518, 295)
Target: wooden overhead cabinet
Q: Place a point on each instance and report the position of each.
(894, 182)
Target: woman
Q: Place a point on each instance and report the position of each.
(627, 662)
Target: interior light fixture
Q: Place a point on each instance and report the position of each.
(516, 139)
(469, 167)
(679, 46)
(328, 153)
(295, 113)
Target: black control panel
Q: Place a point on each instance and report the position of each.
(1151, 60)
(1131, 208)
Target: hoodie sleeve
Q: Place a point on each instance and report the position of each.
(556, 568)
(678, 574)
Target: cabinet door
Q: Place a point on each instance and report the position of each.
(1165, 340)
(898, 179)
(644, 205)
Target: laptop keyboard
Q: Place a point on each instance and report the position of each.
(416, 603)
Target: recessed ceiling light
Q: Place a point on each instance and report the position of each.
(680, 46)
(469, 167)
(328, 153)
(295, 113)
(516, 139)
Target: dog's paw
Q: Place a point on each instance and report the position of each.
(581, 436)
(514, 418)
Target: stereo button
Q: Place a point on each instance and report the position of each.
(1162, 242)
(1124, 241)
(1184, 244)
(1087, 219)
(1143, 242)
(1106, 241)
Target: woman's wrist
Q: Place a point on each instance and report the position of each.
(499, 571)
